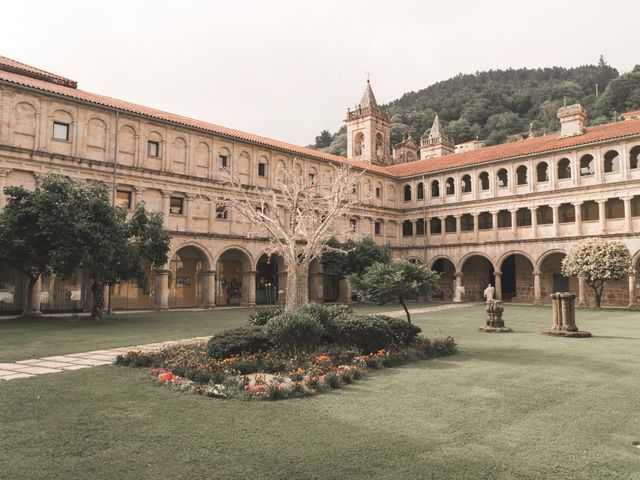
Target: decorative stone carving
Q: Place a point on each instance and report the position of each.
(563, 312)
(495, 323)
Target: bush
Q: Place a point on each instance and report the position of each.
(294, 331)
(367, 333)
(339, 311)
(318, 311)
(239, 340)
(404, 333)
(261, 315)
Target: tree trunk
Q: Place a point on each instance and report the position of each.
(404, 305)
(97, 294)
(32, 307)
(598, 295)
(297, 286)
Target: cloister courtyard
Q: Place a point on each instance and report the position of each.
(517, 405)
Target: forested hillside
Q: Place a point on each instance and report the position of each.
(502, 105)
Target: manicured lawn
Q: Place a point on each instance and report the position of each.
(508, 406)
(24, 338)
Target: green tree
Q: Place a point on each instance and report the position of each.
(396, 280)
(342, 259)
(38, 231)
(324, 139)
(598, 261)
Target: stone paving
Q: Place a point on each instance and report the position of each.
(95, 358)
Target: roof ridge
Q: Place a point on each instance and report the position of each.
(11, 65)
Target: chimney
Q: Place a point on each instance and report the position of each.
(572, 120)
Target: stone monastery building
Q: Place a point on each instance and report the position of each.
(505, 214)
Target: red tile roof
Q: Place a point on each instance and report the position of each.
(76, 94)
(521, 148)
(631, 114)
(10, 65)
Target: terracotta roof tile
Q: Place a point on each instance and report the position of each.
(18, 67)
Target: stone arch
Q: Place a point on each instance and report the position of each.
(189, 266)
(127, 145)
(235, 277)
(546, 254)
(97, 138)
(514, 252)
(179, 155)
(564, 168)
(445, 267)
(25, 126)
(441, 257)
(551, 278)
(611, 162)
(522, 175)
(517, 270)
(358, 144)
(270, 278)
(466, 257)
(198, 246)
(478, 270)
(202, 159)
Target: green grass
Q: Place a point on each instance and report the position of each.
(508, 406)
(23, 338)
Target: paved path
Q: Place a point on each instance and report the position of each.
(77, 361)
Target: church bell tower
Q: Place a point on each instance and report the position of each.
(368, 131)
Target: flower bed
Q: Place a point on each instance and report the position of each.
(272, 374)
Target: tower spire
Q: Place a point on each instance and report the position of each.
(368, 98)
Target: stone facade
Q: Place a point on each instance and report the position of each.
(486, 221)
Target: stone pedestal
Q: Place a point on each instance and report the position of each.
(563, 312)
(495, 323)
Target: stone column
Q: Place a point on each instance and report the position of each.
(498, 285)
(162, 290)
(534, 222)
(628, 223)
(458, 225)
(344, 291)
(316, 287)
(476, 228)
(582, 293)
(457, 296)
(248, 289)
(578, 215)
(556, 218)
(601, 216)
(3, 183)
(186, 208)
(443, 229)
(633, 298)
(537, 289)
(494, 224)
(166, 206)
(212, 215)
(210, 297)
(514, 220)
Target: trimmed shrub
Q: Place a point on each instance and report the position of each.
(294, 332)
(318, 311)
(261, 315)
(367, 333)
(339, 311)
(404, 333)
(239, 340)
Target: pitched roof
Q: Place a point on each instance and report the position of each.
(368, 98)
(436, 129)
(521, 148)
(20, 77)
(10, 65)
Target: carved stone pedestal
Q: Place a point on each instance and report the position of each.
(563, 311)
(495, 323)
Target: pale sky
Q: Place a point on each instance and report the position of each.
(286, 69)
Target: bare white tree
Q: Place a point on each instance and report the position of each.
(297, 218)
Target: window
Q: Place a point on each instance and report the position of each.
(523, 217)
(590, 211)
(485, 221)
(407, 228)
(567, 213)
(222, 213)
(484, 181)
(312, 179)
(261, 209)
(60, 131)
(614, 208)
(123, 199)
(378, 192)
(450, 224)
(262, 169)
(611, 162)
(466, 222)
(503, 178)
(176, 205)
(633, 157)
(564, 168)
(466, 184)
(153, 149)
(635, 206)
(377, 228)
(542, 172)
(450, 186)
(435, 188)
(587, 167)
(407, 193)
(420, 227)
(544, 215)
(223, 161)
(435, 225)
(354, 188)
(354, 224)
(522, 175)
(420, 192)
(504, 219)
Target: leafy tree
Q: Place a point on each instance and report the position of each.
(324, 139)
(342, 259)
(598, 261)
(38, 231)
(396, 280)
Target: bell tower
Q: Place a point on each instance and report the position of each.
(368, 131)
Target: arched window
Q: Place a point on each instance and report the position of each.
(614, 208)
(611, 162)
(451, 186)
(523, 217)
(450, 224)
(542, 172)
(566, 213)
(407, 228)
(564, 168)
(466, 222)
(522, 175)
(633, 156)
(590, 211)
(466, 184)
(407, 193)
(379, 146)
(544, 215)
(484, 181)
(420, 226)
(504, 219)
(503, 178)
(420, 191)
(587, 167)
(485, 221)
(435, 225)
(358, 144)
(435, 188)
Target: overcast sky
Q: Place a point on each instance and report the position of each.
(288, 69)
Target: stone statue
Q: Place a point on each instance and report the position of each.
(494, 323)
(489, 292)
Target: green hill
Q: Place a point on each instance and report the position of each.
(502, 105)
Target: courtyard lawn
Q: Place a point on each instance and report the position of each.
(24, 338)
(508, 406)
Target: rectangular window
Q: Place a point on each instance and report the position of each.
(378, 192)
(223, 161)
(354, 188)
(420, 227)
(123, 199)
(61, 131)
(176, 206)
(377, 228)
(262, 169)
(222, 213)
(312, 179)
(153, 149)
(354, 224)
